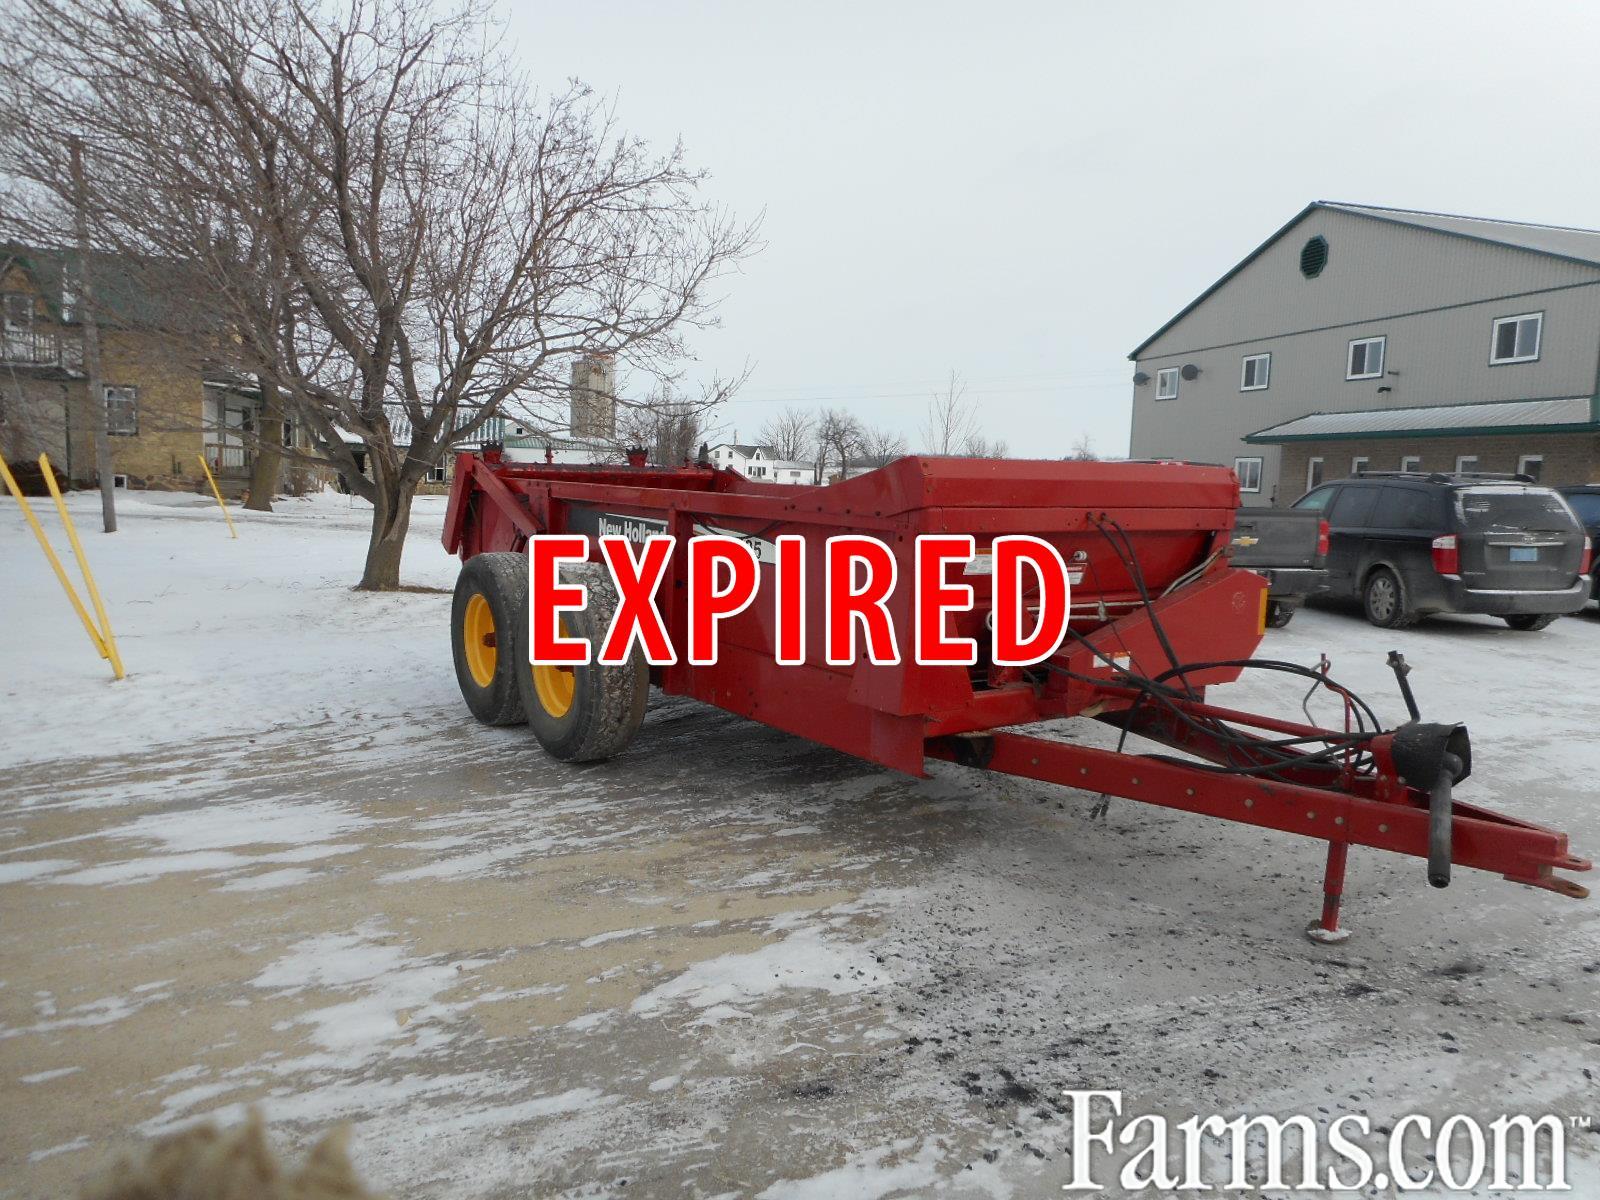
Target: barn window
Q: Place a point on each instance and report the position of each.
(1313, 257)
(1249, 472)
(1366, 358)
(1516, 339)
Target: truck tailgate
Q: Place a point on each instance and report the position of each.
(1276, 539)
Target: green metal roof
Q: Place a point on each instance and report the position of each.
(1571, 414)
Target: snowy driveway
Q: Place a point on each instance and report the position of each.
(280, 865)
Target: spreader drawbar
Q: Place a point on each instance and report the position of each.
(1158, 615)
(1381, 811)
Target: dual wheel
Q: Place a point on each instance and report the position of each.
(582, 713)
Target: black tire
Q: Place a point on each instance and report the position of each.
(604, 705)
(486, 662)
(1531, 622)
(1384, 600)
(1278, 614)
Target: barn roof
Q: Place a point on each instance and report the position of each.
(1554, 241)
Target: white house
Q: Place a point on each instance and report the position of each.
(761, 462)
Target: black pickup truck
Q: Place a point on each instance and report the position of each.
(1290, 548)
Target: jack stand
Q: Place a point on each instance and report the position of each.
(1326, 932)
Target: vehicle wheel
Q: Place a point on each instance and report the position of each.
(488, 633)
(1528, 622)
(1384, 600)
(1278, 615)
(587, 712)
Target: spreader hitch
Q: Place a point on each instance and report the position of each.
(1431, 758)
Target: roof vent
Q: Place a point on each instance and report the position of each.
(1314, 256)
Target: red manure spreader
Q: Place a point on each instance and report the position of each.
(1158, 615)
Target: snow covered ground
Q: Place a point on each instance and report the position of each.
(279, 865)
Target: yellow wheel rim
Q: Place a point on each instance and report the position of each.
(478, 641)
(555, 686)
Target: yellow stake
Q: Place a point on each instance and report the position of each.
(217, 492)
(55, 563)
(108, 639)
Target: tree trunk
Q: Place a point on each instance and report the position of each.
(391, 517)
(269, 439)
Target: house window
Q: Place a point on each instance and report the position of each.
(18, 311)
(1516, 339)
(1313, 473)
(1167, 383)
(1466, 462)
(1531, 465)
(1366, 358)
(1249, 472)
(1411, 462)
(1359, 463)
(1254, 373)
(122, 410)
(437, 474)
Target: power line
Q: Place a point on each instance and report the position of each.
(973, 393)
(969, 384)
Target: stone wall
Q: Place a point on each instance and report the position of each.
(165, 451)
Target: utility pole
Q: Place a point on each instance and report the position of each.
(88, 320)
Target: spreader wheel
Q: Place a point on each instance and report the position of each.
(488, 635)
(587, 712)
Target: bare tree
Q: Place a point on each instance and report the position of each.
(791, 434)
(978, 446)
(371, 213)
(839, 440)
(880, 446)
(1083, 449)
(949, 422)
(670, 426)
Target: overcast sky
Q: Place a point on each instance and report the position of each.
(1022, 193)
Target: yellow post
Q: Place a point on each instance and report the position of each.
(217, 492)
(55, 563)
(108, 640)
